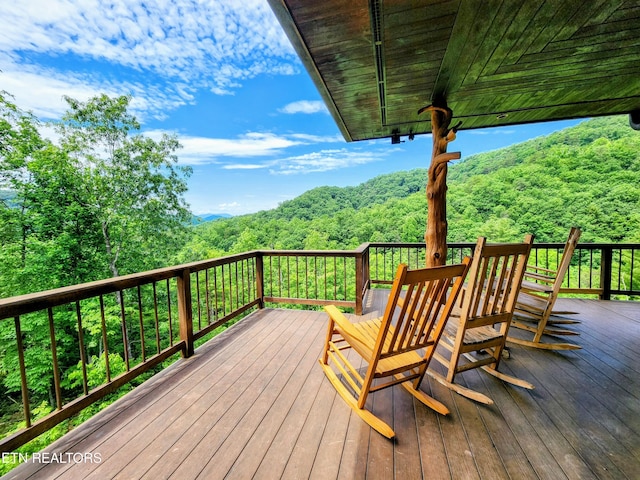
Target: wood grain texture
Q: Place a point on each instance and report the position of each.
(239, 409)
(497, 62)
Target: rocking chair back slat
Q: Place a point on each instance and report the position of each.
(412, 325)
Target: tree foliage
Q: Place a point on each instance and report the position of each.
(132, 184)
(104, 202)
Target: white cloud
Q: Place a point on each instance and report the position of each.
(177, 38)
(232, 206)
(324, 160)
(202, 150)
(205, 150)
(304, 106)
(41, 91)
(190, 44)
(243, 166)
(308, 138)
(492, 131)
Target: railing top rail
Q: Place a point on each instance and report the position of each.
(397, 244)
(587, 246)
(31, 302)
(309, 253)
(590, 246)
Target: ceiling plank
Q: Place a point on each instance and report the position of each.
(496, 62)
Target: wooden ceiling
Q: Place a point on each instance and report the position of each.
(377, 62)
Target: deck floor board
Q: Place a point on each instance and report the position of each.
(253, 403)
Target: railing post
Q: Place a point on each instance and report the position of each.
(366, 266)
(260, 278)
(605, 272)
(362, 275)
(359, 283)
(185, 312)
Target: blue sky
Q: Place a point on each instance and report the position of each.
(222, 76)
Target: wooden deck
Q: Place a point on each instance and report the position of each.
(254, 403)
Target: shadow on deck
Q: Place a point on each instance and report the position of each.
(254, 403)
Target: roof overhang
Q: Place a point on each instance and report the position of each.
(377, 62)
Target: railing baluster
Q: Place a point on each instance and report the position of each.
(169, 316)
(105, 344)
(287, 278)
(590, 267)
(259, 280)
(619, 269)
(315, 276)
(633, 251)
(325, 276)
(141, 321)
(83, 353)
(156, 318)
(344, 277)
(335, 278)
(54, 358)
(235, 265)
(297, 277)
(271, 276)
(198, 306)
(242, 284)
(279, 270)
(224, 292)
(306, 277)
(215, 293)
(207, 295)
(23, 373)
(579, 267)
(125, 335)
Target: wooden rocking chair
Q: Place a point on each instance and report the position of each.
(534, 309)
(398, 346)
(476, 339)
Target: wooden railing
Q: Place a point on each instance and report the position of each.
(604, 270)
(123, 327)
(120, 329)
(315, 277)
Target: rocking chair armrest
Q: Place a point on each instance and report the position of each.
(540, 278)
(538, 270)
(350, 333)
(340, 320)
(536, 287)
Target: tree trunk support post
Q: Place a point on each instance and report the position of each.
(435, 236)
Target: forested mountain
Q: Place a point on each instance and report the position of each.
(328, 200)
(587, 175)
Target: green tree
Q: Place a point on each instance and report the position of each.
(103, 203)
(133, 184)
